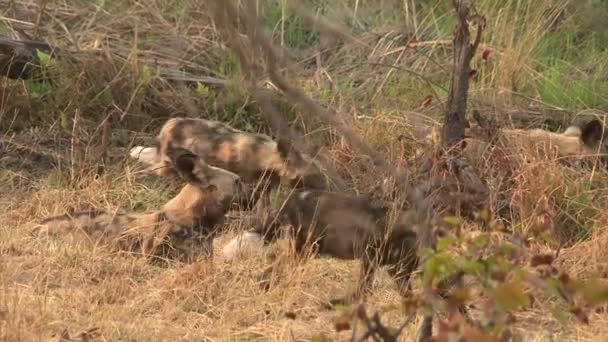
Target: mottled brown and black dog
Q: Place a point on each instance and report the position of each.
(185, 224)
(350, 227)
(251, 156)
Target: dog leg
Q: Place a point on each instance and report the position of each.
(450, 283)
(263, 202)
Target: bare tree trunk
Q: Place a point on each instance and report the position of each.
(454, 123)
(454, 126)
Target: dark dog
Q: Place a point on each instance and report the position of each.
(251, 156)
(349, 227)
(186, 223)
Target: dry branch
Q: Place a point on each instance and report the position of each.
(284, 131)
(259, 38)
(19, 57)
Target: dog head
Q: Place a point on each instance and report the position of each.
(300, 171)
(207, 186)
(592, 135)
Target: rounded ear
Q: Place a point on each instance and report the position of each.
(288, 153)
(284, 148)
(315, 182)
(210, 188)
(592, 132)
(183, 161)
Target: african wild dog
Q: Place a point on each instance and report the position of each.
(185, 223)
(578, 142)
(251, 156)
(350, 227)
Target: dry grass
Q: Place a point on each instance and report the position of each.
(383, 89)
(51, 286)
(48, 287)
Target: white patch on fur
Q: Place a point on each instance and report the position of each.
(304, 194)
(223, 170)
(573, 131)
(144, 154)
(242, 244)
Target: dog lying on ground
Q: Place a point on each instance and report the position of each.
(184, 224)
(578, 142)
(251, 156)
(348, 227)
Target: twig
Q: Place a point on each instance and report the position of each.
(286, 132)
(41, 9)
(375, 329)
(17, 21)
(75, 145)
(106, 132)
(302, 99)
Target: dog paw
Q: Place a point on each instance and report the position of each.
(248, 242)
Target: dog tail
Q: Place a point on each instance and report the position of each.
(148, 155)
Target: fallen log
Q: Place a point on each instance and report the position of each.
(19, 59)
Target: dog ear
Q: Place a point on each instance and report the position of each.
(592, 132)
(210, 188)
(285, 148)
(289, 153)
(183, 161)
